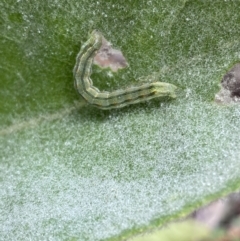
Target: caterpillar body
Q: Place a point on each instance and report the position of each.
(118, 98)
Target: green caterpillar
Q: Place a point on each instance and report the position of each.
(118, 98)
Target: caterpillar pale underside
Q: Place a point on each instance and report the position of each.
(118, 98)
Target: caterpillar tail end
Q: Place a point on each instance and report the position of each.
(163, 89)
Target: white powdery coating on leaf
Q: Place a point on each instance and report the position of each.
(115, 173)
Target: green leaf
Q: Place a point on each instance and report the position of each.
(72, 172)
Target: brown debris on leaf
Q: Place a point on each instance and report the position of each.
(107, 57)
(210, 214)
(230, 91)
(222, 215)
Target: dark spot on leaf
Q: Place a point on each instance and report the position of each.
(230, 91)
(107, 57)
(231, 81)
